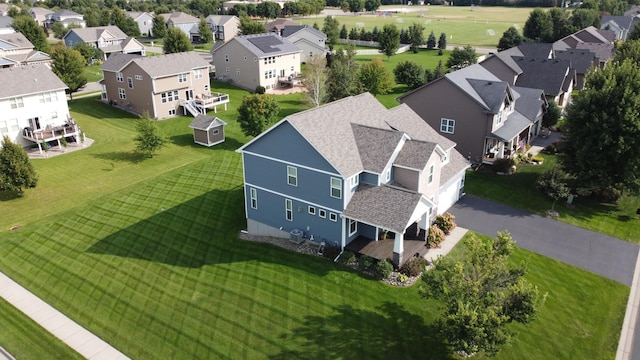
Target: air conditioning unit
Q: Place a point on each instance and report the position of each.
(296, 236)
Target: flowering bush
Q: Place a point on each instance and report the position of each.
(435, 236)
(446, 222)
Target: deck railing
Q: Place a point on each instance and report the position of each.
(51, 133)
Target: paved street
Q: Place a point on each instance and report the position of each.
(604, 255)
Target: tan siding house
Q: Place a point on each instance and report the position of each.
(162, 86)
(250, 61)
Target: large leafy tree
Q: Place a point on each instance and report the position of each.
(248, 26)
(561, 23)
(538, 26)
(256, 113)
(315, 79)
(342, 80)
(635, 33)
(410, 74)
(389, 40)
(148, 140)
(630, 49)
(176, 41)
(16, 172)
(582, 18)
(375, 78)
(601, 146)
(88, 52)
(416, 36)
(331, 28)
(462, 57)
(372, 5)
(482, 294)
(268, 9)
(205, 31)
(355, 5)
(552, 115)
(510, 38)
(159, 29)
(68, 64)
(30, 29)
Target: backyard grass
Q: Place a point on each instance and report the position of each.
(619, 220)
(93, 73)
(145, 254)
(477, 26)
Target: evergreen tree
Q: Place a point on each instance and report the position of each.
(248, 26)
(16, 172)
(29, 28)
(343, 32)
(510, 38)
(176, 41)
(561, 24)
(371, 5)
(332, 30)
(416, 36)
(431, 41)
(438, 72)
(148, 141)
(442, 42)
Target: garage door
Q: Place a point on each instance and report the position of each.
(448, 196)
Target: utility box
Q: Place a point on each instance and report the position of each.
(296, 236)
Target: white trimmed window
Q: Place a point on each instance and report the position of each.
(197, 74)
(336, 188)
(333, 217)
(312, 210)
(430, 178)
(354, 181)
(447, 125)
(130, 82)
(353, 227)
(182, 77)
(138, 77)
(288, 206)
(122, 94)
(322, 213)
(254, 198)
(17, 102)
(226, 57)
(292, 175)
(169, 96)
(119, 77)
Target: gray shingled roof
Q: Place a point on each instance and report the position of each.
(277, 45)
(604, 52)
(457, 163)
(376, 146)
(179, 18)
(493, 93)
(219, 19)
(91, 34)
(157, 66)
(624, 22)
(415, 154)
(403, 118)
(15, 41)
(5, 21)
(529, 102)
(507, 57)
(536, 50)
(513, 126)
(385, 206)
(41, 11)
(26, 80)
(278, 24)
(204, 122)
(581, 59)
(476, 71)
(546, 74)
(292, 29)
(66, 12)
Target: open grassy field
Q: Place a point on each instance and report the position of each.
(145, 254)
(477, 26)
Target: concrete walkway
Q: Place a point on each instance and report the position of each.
(65, 329)
(449, 243)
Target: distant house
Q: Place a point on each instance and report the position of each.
(486, 117)
(250, 61)
(65, 17)
(207, 130)
(109, 39)
(620, 25)
(17, 50)
(144, 21)
(588, 35)
(278, 25)
(582, 60)
(162, 86)
(308, 39)
(6, 25)
(185, 22)
(34, 107)
(223, 27)
(39, 15)
(346, 173)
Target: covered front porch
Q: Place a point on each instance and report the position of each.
(384, 249)
(508, 140)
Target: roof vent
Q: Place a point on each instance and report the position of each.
(35, 80)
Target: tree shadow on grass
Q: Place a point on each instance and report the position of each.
(386, 332)
(122, 156)
(9, 195)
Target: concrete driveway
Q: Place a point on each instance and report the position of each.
(604, 255)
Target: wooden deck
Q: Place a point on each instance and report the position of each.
(50, 134)
(383, 249)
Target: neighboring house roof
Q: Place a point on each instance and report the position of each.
(17, 41)
(581, 59)
(14, 41)
(604, 52)
(633, 11)
(66, 12)
(157, 66)
(179, 18)
(589, 34)
(476, 72)
(5, 22)
(219, 19)
(492, 92)
(38, 11)
(204, 122)
(136, 14)
(26, 80)
(536, 50)
(92, 34)
(529, 102)
(123, 45)
(375, 146)
(289, 30)
(262, 45)
(313, 44)
(547, 74)
(386, 206)
(623, 22)
(278, 25)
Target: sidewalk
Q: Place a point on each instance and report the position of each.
(60, 326)
(449, 243)
(626, 346)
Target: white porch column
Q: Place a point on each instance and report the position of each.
(398, 249)
(500, 150)
(424, 221)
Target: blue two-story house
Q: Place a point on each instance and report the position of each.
(350, 170)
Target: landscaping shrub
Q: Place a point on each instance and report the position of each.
(503, 165)
(365, 262)
(537, 159)
(435, 236)
(260, 89)
(445, 222)
(552, 148)
(413, 266)
(331, 251)
(608, 195)
(382, 269)
(347, 258)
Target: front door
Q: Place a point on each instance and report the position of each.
(35, 123)
(188, 95)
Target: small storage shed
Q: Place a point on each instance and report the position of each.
(207, 130)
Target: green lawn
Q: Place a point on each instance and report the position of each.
(478, 26)
(145, 254)
(93, 73)
(518, 190)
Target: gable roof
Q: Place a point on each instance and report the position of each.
(26, 80)
(581, 59)
(529, 102)
(460, 78)
(375, 146)
(14, 41)
(157, 66)
(415, 154)
(262, 45)
(278, 24)
(536, 50)
(136, 14)
(403, 118)
(623, 22)
(92, 34)
(204, 122)
(546, 74)
(220, 19)
(5, 21)
(66, 12)
(40, 11)
(179, 18)
(292, 29)
(493, 93)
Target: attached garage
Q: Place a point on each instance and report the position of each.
(450, 193)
